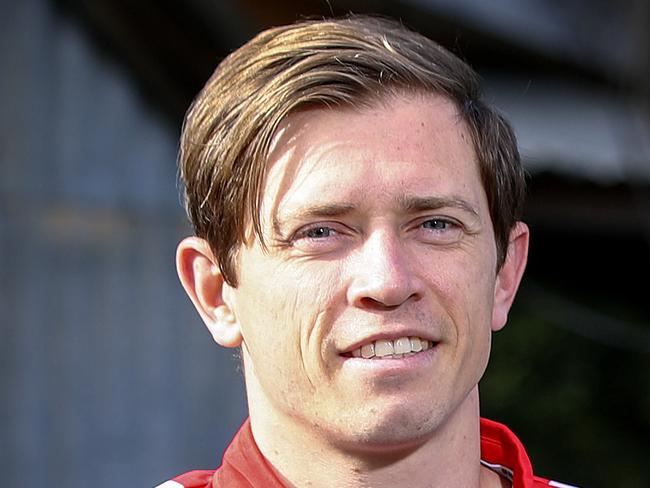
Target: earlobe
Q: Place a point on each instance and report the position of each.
(201, 278)
(510, 274)
(225, 328)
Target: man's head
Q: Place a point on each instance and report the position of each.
(356, 210)
(352, 62)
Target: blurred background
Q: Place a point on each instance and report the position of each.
(108, 377)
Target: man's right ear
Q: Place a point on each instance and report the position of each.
(201, 277)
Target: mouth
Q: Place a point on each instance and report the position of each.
(391, 349)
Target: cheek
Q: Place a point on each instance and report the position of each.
(471, 301)
(284, 315)
(464, 290)
(316, 304)
(461, 283)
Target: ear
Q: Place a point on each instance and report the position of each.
(510, 274)
(201, 277)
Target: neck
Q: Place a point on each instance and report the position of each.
(302, 456)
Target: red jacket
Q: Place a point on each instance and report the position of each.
(244, 466)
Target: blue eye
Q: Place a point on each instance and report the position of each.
(318, 232)
(320, 238)
(440, 231)
(437, 224)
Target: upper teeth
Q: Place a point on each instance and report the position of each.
(397, 348)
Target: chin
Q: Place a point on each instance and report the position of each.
(395, 429)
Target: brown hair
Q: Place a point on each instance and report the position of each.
(351, 61)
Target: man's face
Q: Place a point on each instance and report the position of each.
(379, 237)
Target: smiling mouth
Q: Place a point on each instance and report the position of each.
(387, 349)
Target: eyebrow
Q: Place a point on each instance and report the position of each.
(406, 205)
(326, 210)
(418, 204)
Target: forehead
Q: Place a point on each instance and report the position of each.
(413, 144)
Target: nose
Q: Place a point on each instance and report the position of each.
(382, 277)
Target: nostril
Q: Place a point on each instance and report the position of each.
(372, 304)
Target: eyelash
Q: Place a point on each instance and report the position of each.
(304, 233)
(317, 228)
(450, 232)
(447, 222)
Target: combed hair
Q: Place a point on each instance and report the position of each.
(353, 61)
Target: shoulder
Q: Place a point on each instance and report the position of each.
(504, 453)
(242, 466)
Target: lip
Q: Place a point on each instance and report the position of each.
(390, 367)
(389, 336)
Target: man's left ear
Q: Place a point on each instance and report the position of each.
(510, 274)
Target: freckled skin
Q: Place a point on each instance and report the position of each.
(290, 305)
(373, 266)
